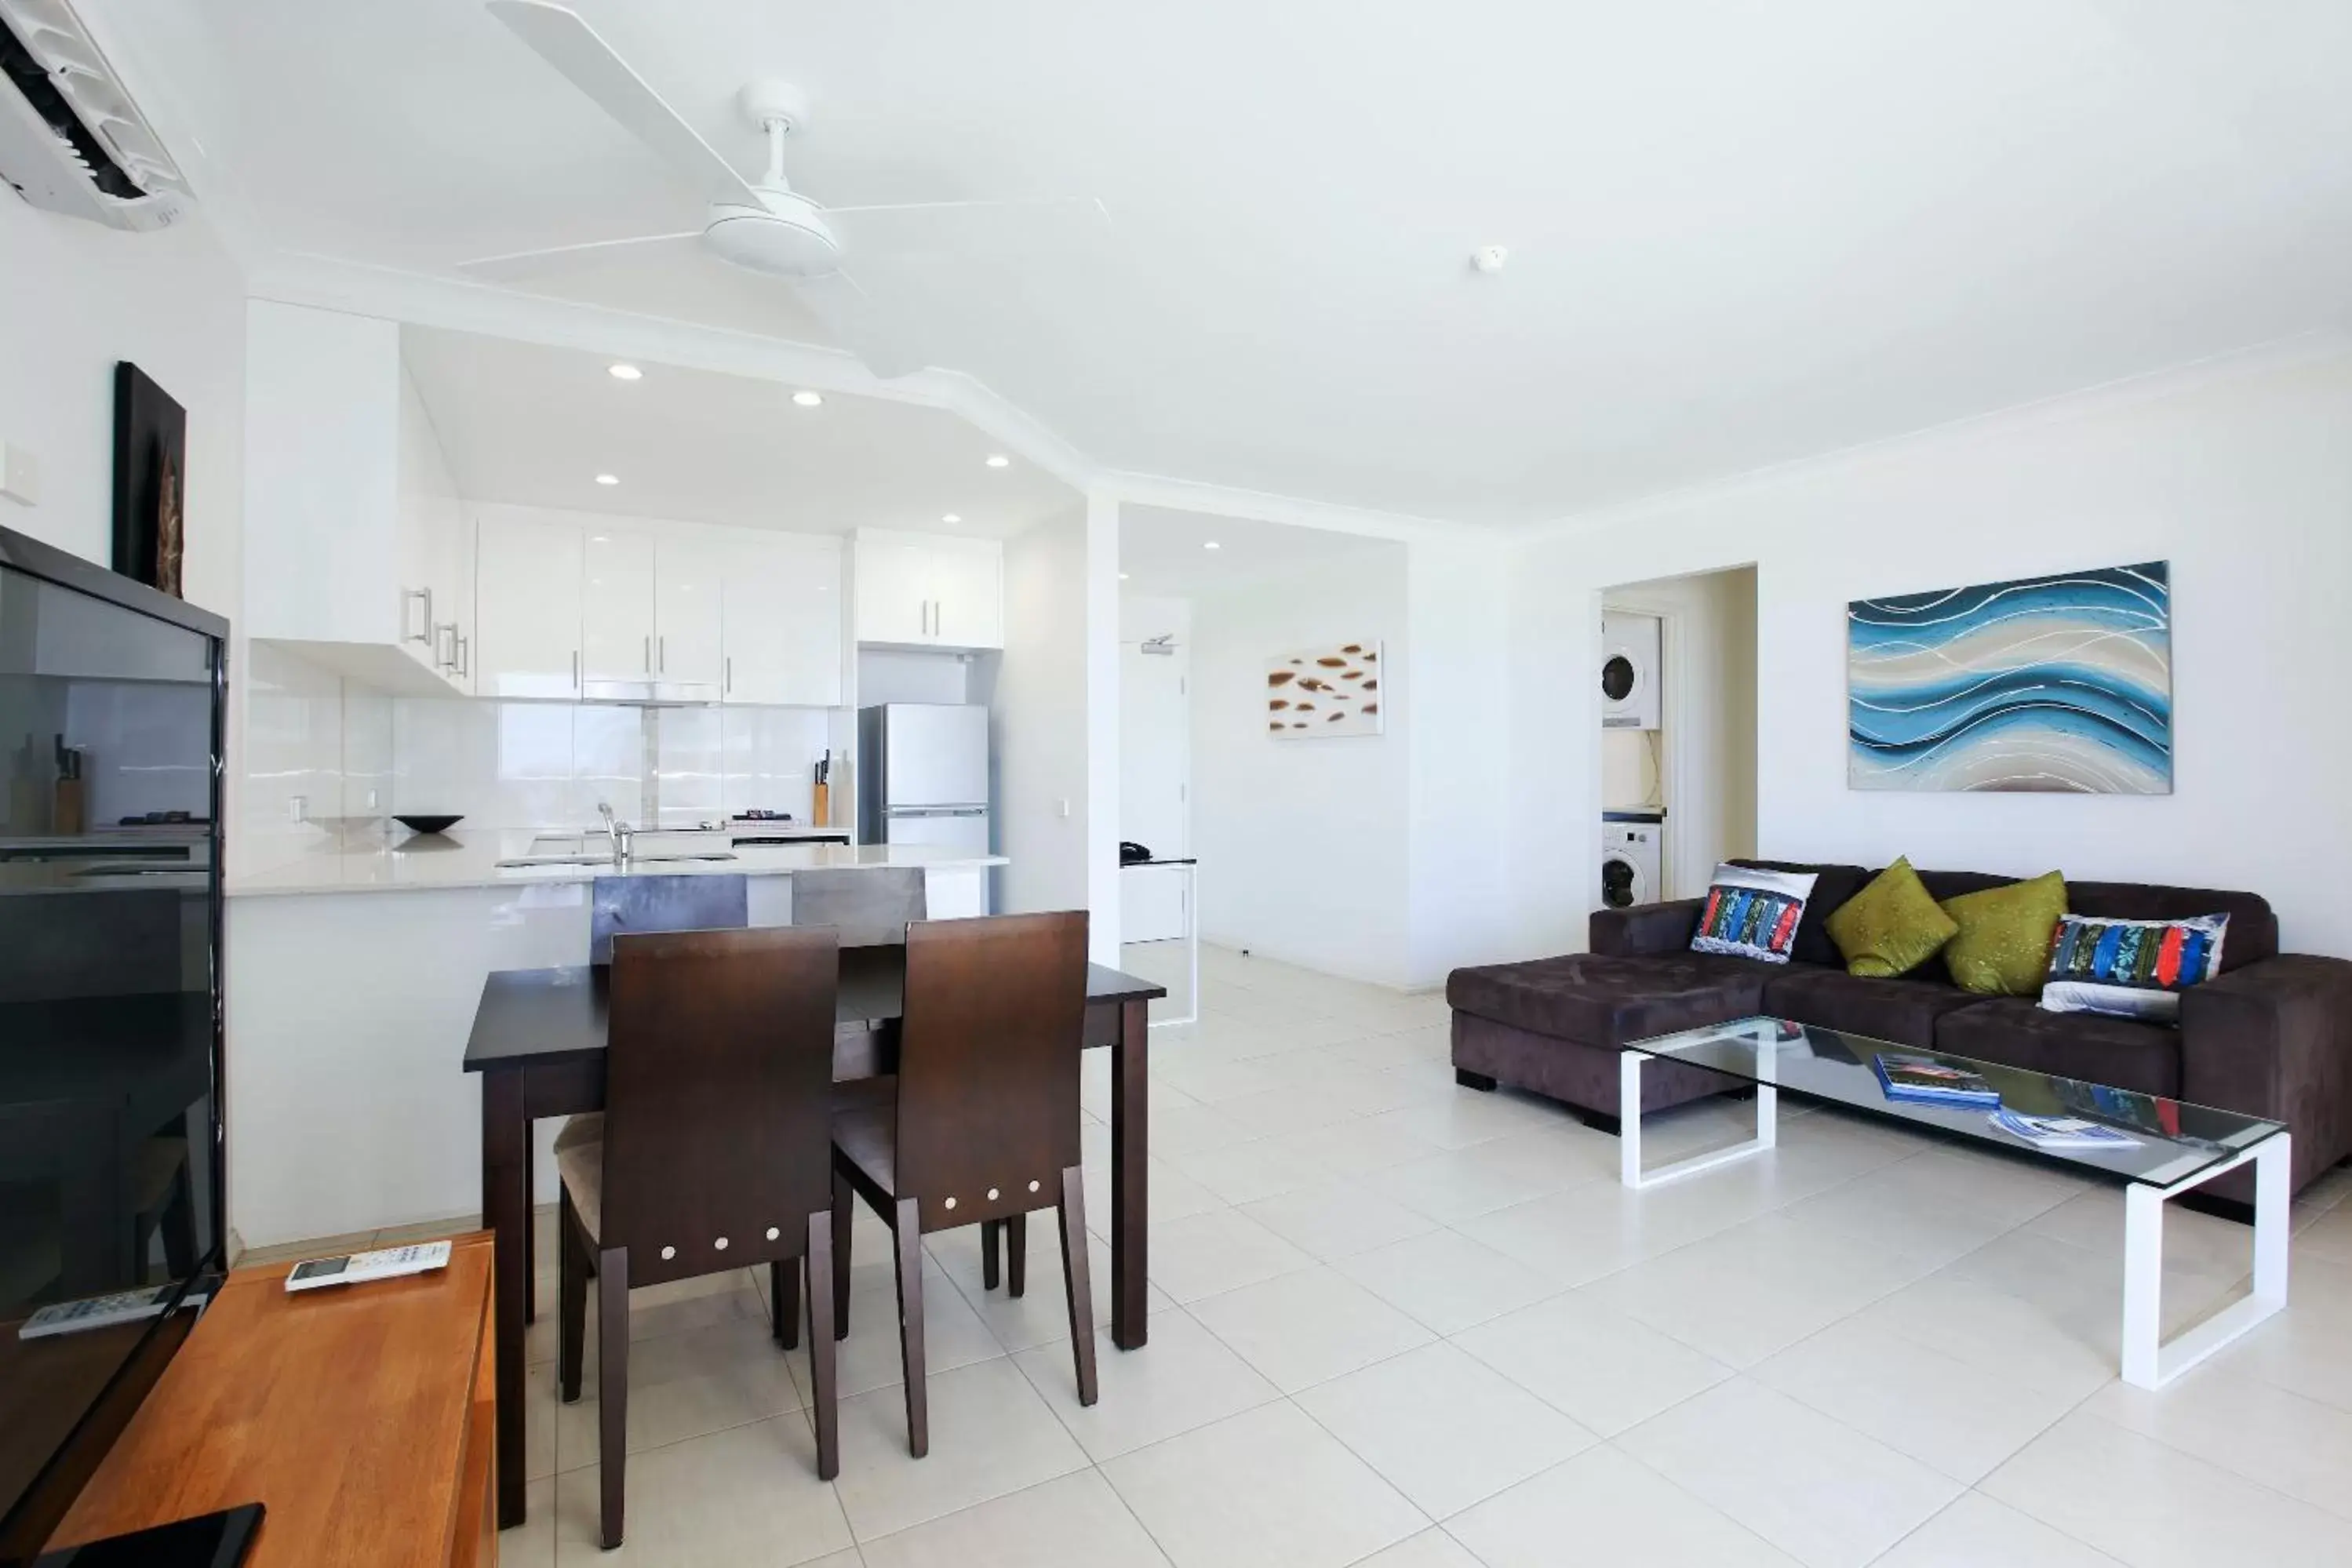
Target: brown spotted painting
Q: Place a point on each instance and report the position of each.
(1325, 694)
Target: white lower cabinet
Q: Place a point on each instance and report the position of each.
(955, 893)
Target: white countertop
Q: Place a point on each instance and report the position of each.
(463, 859)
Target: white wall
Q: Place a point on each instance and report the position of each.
(1708, 750)
(1303, 844)
(2241, 475)
(80, 298)
(1038, 720)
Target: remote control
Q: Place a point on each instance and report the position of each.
(97, 1312)
(355, 1267)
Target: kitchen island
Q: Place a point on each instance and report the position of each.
(352, 978)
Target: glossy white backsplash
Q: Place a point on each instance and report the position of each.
(525, 765)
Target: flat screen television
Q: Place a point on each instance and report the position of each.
(111, 704)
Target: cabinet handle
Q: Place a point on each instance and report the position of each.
(465, 657)
(661, 655)
(445, 636)
(575, 669)
(424, 635)
(649, 655)
(730, 686)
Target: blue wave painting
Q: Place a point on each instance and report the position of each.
(2060, 683)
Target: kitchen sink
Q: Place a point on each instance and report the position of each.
(648, 848)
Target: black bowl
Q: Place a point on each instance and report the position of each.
(428, 824)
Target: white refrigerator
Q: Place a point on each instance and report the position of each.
(922, 775)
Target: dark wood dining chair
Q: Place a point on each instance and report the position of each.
(984, 1127)
(665, 900)
(715, 1153)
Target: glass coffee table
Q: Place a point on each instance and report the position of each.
(2172, 1147)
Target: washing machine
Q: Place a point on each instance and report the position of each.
(1629, 671)
(1630, 858)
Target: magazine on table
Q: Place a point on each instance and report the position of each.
(2062, 1132)
(1924, 1081)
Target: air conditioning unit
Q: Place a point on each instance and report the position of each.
(70, 139)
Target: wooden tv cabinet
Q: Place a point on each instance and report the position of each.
(362, 1417)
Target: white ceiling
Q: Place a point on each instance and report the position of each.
(534, 426)
(1165, 551)
(1741, 234)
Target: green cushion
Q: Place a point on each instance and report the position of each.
(1891, 926)
(2003, 945)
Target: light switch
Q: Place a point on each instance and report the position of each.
(20, 475)
(1062, 807)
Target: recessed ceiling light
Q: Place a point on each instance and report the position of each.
(608, 478)
(1212, 544)
(808, 399)
(624, 372)
(1122, 577)
(950, 517)
(998, 460)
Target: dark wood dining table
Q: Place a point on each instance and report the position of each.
(539, 1043)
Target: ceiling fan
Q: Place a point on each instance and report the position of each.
(765, 225)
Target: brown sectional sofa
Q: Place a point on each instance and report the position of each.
(2271, 1035)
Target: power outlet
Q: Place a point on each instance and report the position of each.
(298, 808)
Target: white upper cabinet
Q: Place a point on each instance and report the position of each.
(783, 620)
(968, 593)
(689, 647)
(353, 544)
(616, 614)
(530, 576)
(929, 591)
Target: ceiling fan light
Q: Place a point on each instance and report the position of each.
(784, 236)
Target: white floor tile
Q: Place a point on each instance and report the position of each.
(1430, 1548)
(1462, 1184)
(1267, 1488)
(1077, 1521)
(1222, 1251)
(1245, 1173)
(1604, 1507)
(1302, 1329)
(1910, 1394)
(1743, 1294)
(1184, 1378)
(1976, 1532)
(991, 1434)
(1818, 1490)
(1604, 1369)
(2271, 1436)
(1338, 1220)
(680, 1386)
(748, 1494)
(869, 1358)
(1443, 1428)
(1446, 1280)
(2156, 1507)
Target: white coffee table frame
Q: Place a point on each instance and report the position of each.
(2148, 1360)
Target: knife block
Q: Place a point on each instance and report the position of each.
(821, 805)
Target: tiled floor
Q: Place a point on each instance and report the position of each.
(1406, 1325)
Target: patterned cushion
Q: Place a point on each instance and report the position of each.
(2131, 969)
(1752, 914)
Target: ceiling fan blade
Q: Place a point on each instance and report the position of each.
(563, 40)
(858, 324)
(963, 227)
(522, 263)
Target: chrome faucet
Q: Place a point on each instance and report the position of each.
(619, 832)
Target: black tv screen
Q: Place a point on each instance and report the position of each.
(110, 1156)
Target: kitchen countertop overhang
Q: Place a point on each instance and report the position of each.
(474, 860)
